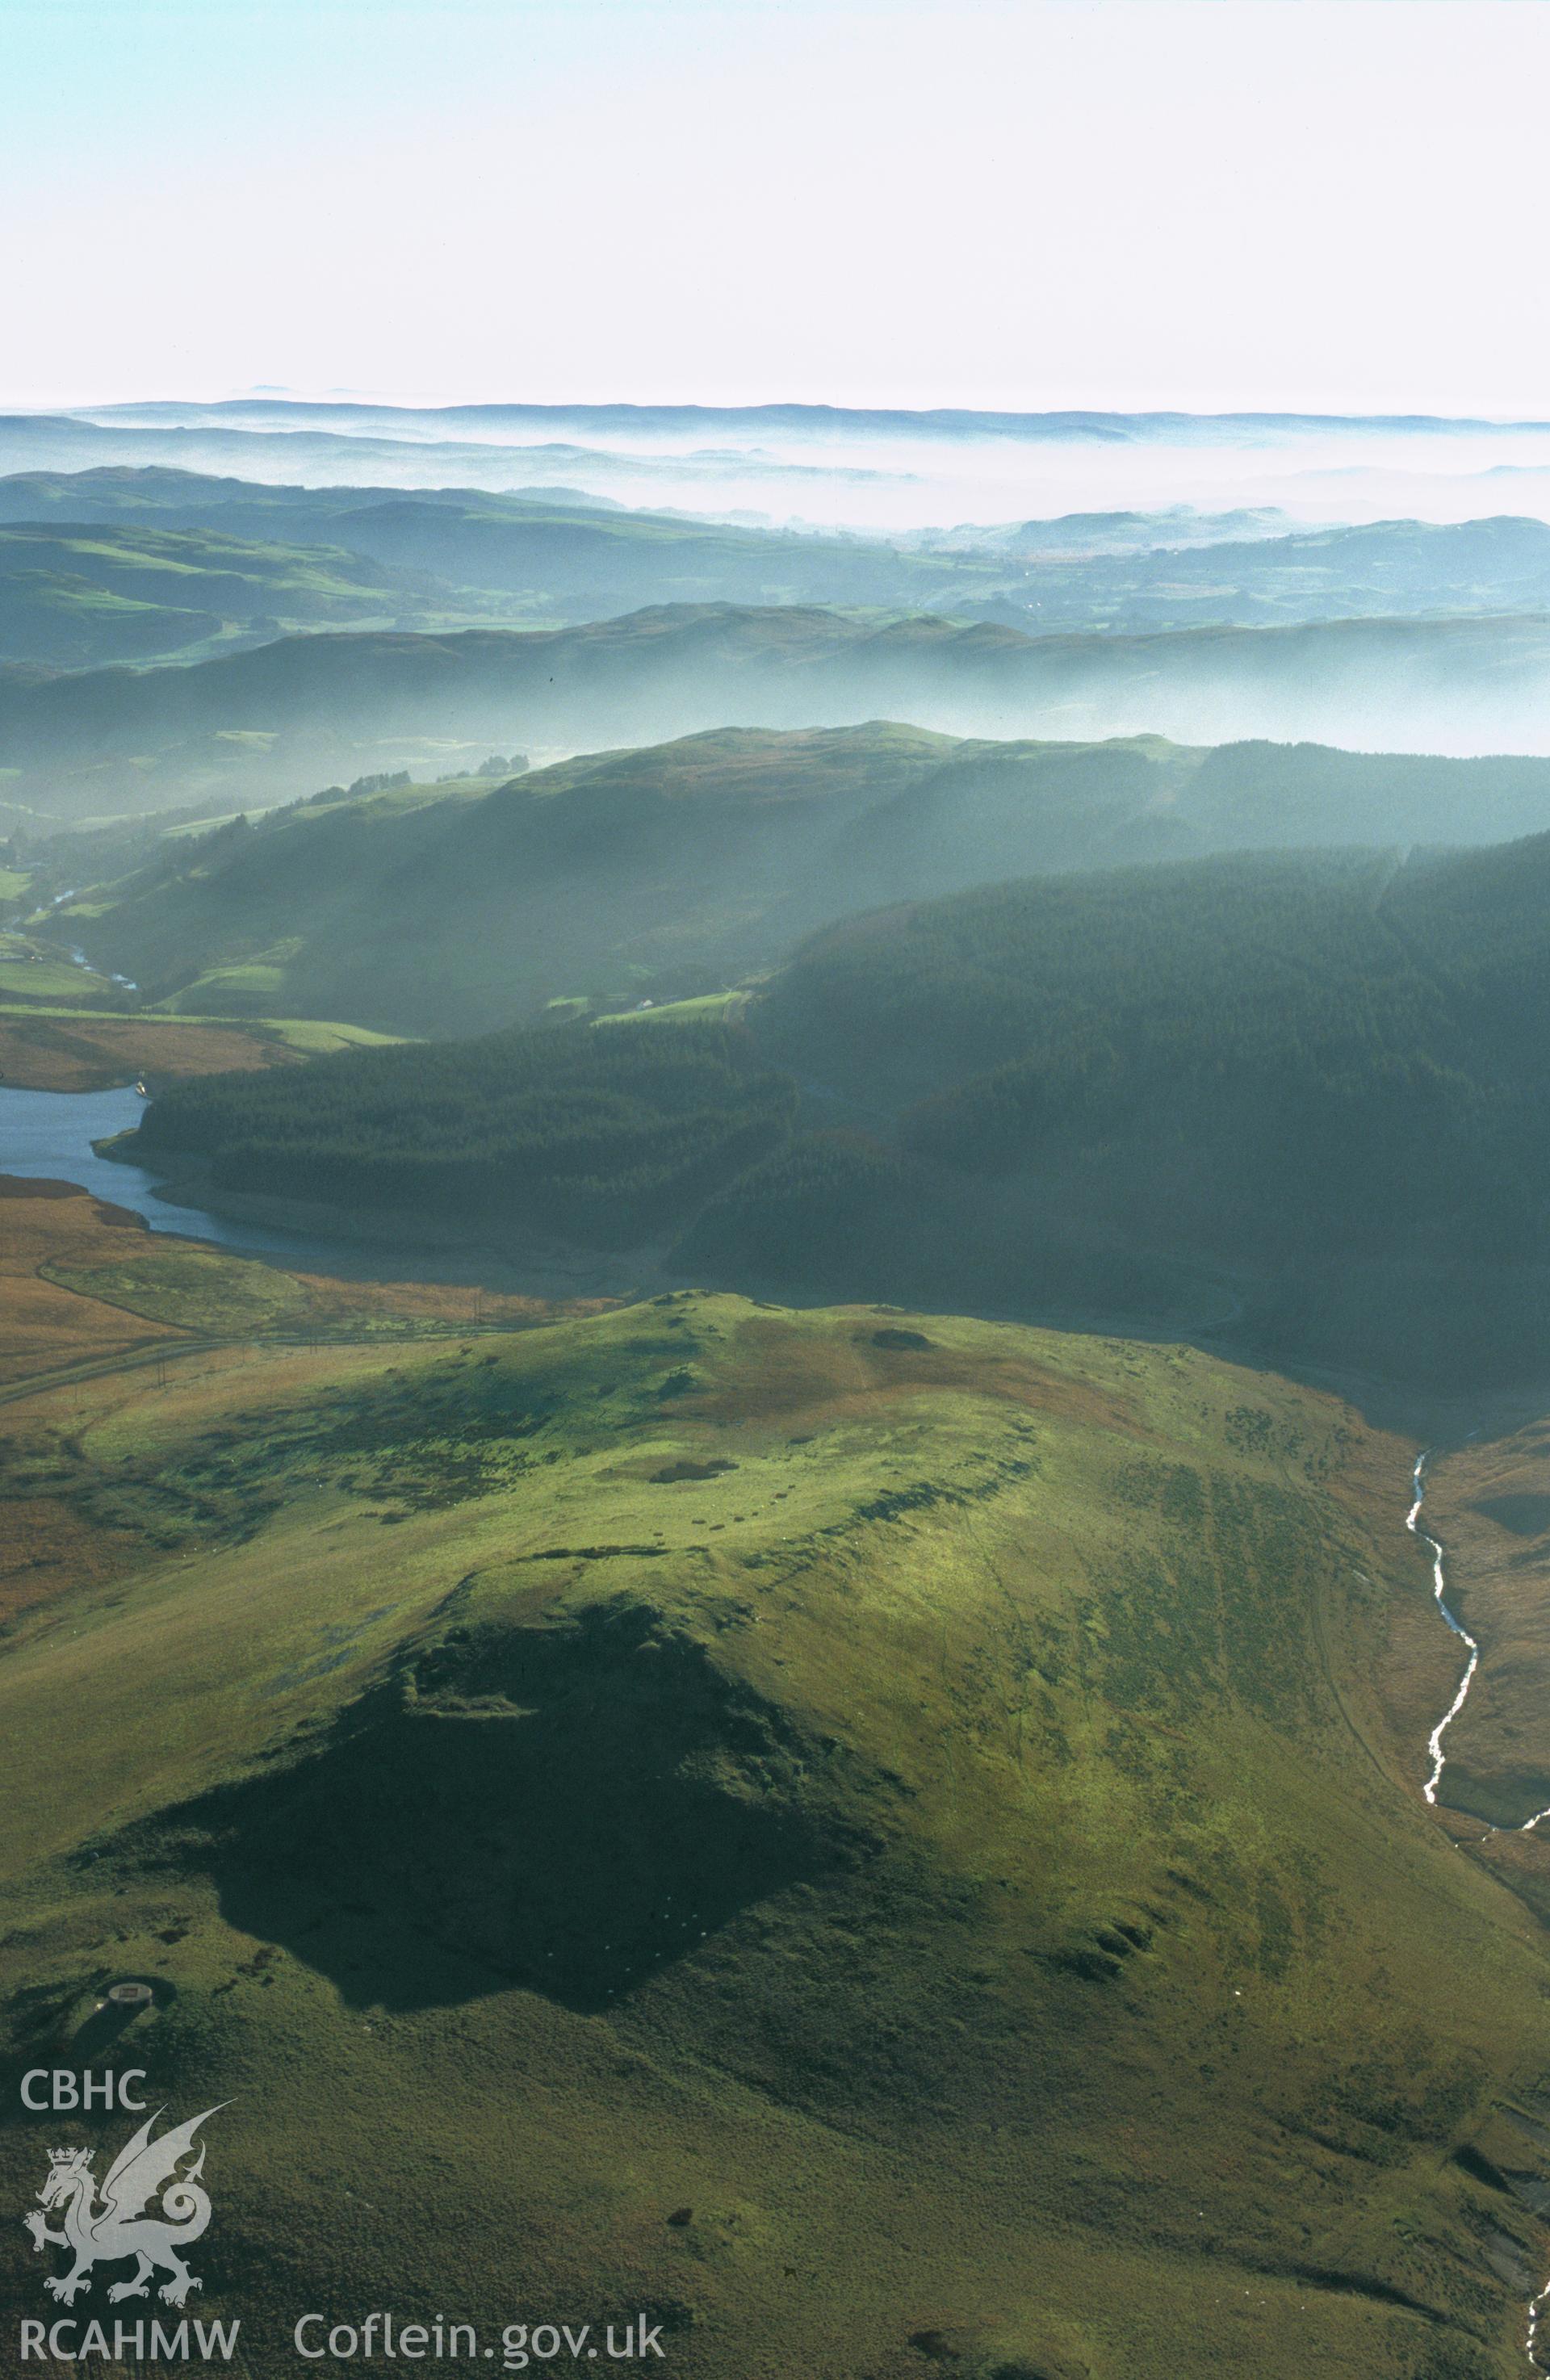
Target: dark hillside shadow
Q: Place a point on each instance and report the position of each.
(567, 1809)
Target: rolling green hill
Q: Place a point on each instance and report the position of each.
(1300, 1092)
(618, 875)
(264, 724)
(78, 595)
(276, 559)
(675, 870)
(891, 1843)
(64, 618)
(558, 554)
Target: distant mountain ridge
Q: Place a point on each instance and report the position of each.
(270, 722)
(531, 556)
(946, 421)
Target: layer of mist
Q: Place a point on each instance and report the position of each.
(884, 472)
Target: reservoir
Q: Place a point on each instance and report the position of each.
(48, 1135)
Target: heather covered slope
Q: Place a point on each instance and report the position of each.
(912, 1825)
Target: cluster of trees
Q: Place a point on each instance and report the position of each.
(382, 781)
(830, 1212)
(1298, 1071)
(606, 1134)
(1250, 1057)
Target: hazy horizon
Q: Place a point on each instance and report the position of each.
(1167, 205)
(842, 470)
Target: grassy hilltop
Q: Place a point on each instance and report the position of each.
(892, 1843)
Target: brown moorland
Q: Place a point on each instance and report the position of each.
(93, 1053)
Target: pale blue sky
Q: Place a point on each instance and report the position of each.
(1203, 203)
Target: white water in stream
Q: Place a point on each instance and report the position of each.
(1537, 2306)
(1439, 1589)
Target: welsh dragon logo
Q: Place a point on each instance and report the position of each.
(104, 2227)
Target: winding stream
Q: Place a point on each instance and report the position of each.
(1537, 2306)
(1439, 1589)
